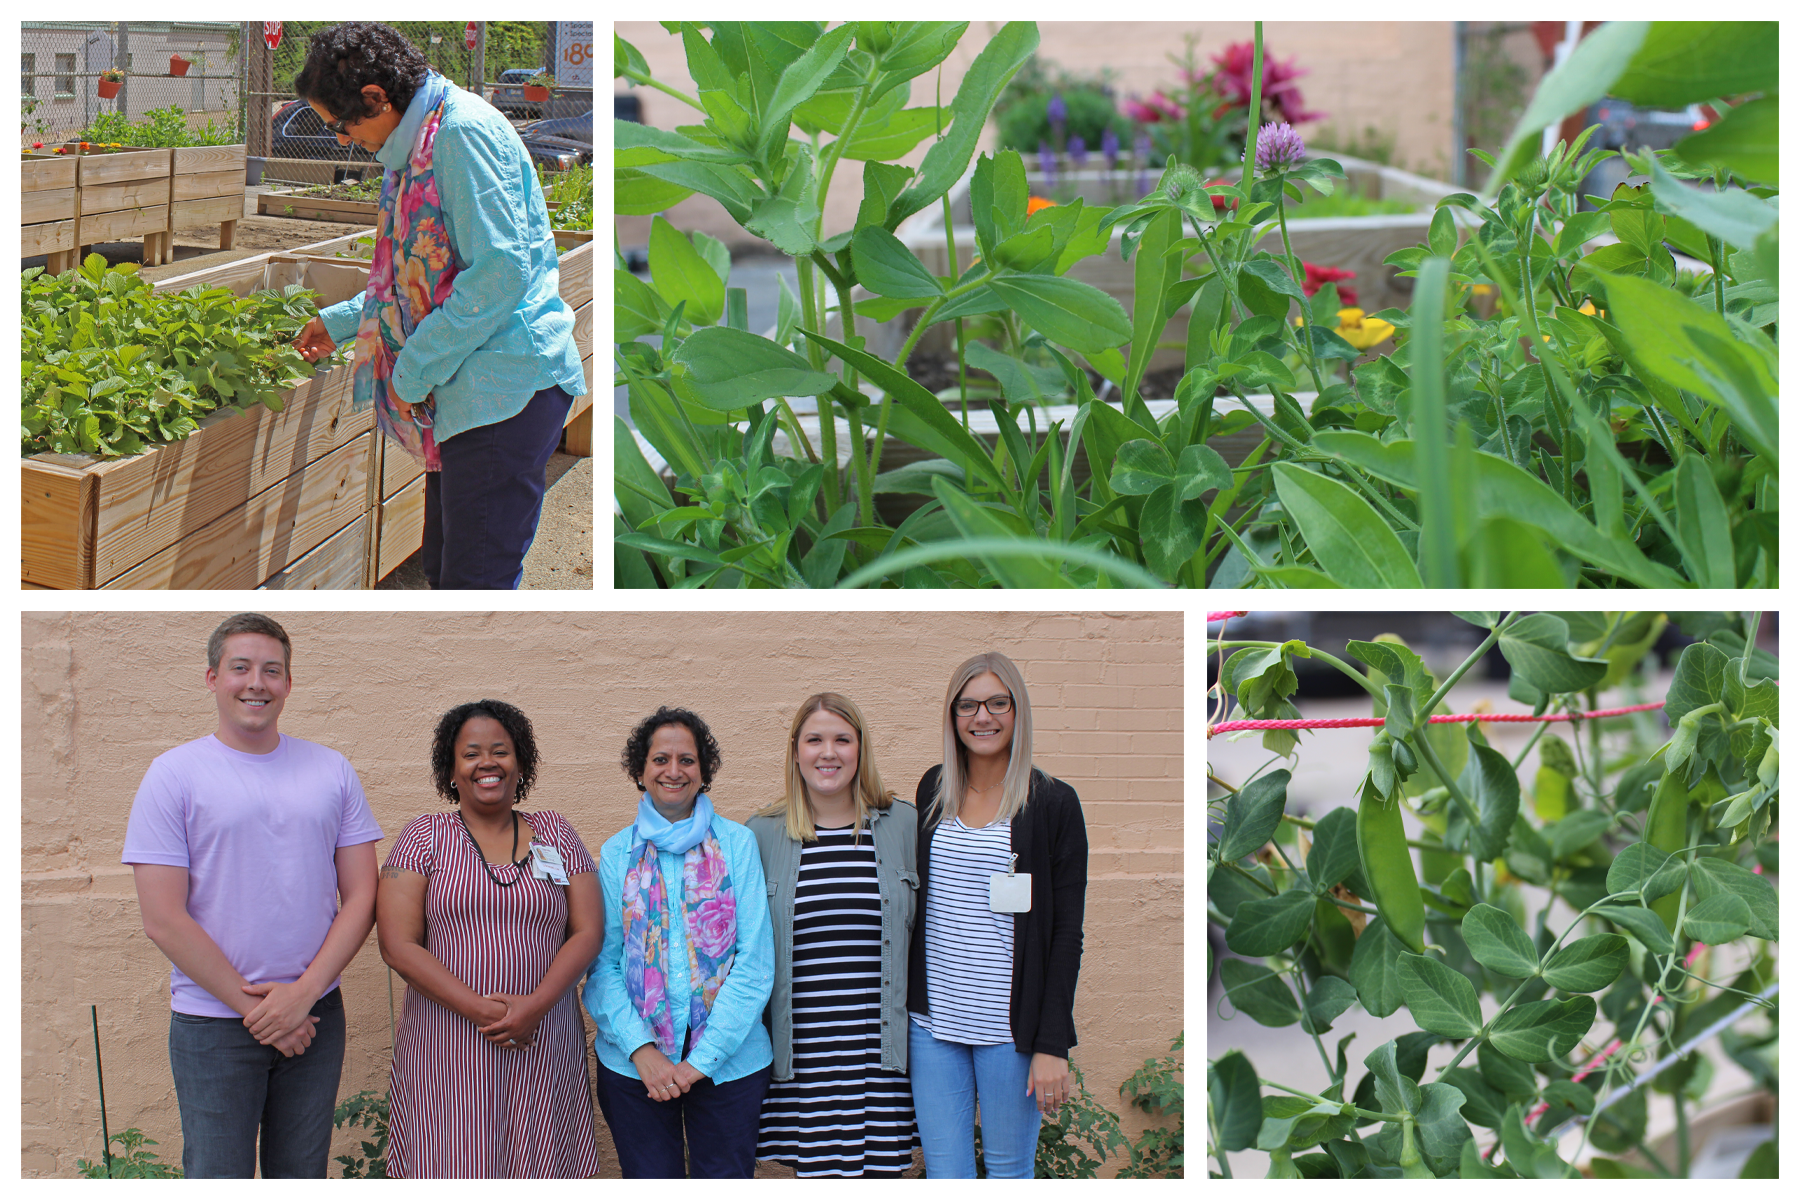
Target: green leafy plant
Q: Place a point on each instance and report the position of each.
(1591, 901)
(111, 367)
(1609, 421)
(130, 1161)
(162, 127)
(365, 1110)
(573, 192)
(542, 79)
(1156, 1088)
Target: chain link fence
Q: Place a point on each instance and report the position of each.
(242, 90)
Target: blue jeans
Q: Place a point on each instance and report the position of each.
(719, 1120)
(230, 1086)
(482, 509)
(947, 1079)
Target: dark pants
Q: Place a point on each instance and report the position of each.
(230, 1086)
(720, 1121)
(481, 510)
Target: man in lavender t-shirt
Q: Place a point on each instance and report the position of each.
(254, 856)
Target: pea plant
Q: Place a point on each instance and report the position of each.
(1569, 943)
(1553, 414)
(111, 366)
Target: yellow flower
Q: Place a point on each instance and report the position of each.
(1587, 306)
(1483, 289)
(1362, 332)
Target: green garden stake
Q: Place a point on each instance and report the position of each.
(737, 309)
(105, 1138)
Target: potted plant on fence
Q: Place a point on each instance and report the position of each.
(111, 80)
(178, 65)
(537, 88)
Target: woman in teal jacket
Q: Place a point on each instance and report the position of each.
(463, 344)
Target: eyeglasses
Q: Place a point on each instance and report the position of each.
(997, 706)
(338, 127)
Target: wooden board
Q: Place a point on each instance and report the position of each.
(54, 204)
(252, 542)
(133, 193)
(575, 276)
(338, 563)
(47, 238)
(398, 468)
(49, 173)
(56, 522)
(584, 328)
(208, 160)
(400, 528)
(116, 226)
(213, 183)
(315, 208)
(99, 169)
(187, 213)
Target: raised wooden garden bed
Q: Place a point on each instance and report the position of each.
(206, 188)
(47, 210)
(122, 195)
(290, 203)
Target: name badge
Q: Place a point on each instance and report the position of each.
(1011, 892)
(547, 863)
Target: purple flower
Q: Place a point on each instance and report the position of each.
(1058, 112)
(1277, 146)
(1047, 162)
(1078, 151)
(1142, 146)
(1109, 146)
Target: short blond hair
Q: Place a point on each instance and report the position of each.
(866, 787)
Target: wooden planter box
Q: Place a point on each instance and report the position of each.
(123, 196)
(1356, 243)
(206, 188)
(289, 203)
(47, 210)
(236, 503)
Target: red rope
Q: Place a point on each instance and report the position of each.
(1441, 719)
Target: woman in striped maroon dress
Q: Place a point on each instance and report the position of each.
(490, 915)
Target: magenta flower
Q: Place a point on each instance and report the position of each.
(1158, 108)
(1277, 146)
(1237, 64)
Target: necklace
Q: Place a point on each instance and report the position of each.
(518, 864)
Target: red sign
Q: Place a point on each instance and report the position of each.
(272, 33)
(469, 35)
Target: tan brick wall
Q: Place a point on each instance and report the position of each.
(104, 693)
(1395, 75)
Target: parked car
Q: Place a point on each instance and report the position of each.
(579, 128)
(298, 132)
(511, 99)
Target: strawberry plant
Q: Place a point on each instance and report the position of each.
(111, 367)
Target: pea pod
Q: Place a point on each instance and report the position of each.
(1387, 867)
(1665, 827)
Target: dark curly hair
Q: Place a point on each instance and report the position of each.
(343, 60)
(637, 747)
(517, 726)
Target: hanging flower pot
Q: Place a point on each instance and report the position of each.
(178, 65)
(537, 88)
(536, 94)
(109, 83)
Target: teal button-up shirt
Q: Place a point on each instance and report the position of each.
(734, 1043)
(504, 333)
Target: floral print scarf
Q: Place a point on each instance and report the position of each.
(410, 277)
(709, 915)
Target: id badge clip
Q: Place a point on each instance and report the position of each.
(547, 863)
(1011, 892)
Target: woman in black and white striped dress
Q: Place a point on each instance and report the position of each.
(1002, 887)
(837, 851)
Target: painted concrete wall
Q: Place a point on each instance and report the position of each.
(104, 693)
(1397, 76)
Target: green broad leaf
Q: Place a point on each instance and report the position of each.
(1269, 926)
(1699, 680)
(1171, 531)
(727, 185)
(669, 549)
(882, 182)
(1333, 855)
(1375, 969)
(1442, 236)
(1508, 1076)
(789, 217)
(1482, 1104)
(640, 492)
(1501, 489)
(1715, 877)
(1326, 1001)
(1588, 965)
(1586, 75)
(917, 47)
(637, 309)
(1141, 468)
(1646, 925)
(1704, 525)
(1258, 993)
(1543, 1030)
(1527, 1155)
(1273, 276)
(1439, 998)
(1440, 1127)
(1511, 554)
(920, 417)
(1744, 142)
(915, 477)
(1026, 250)
(1155, 272)
(1497, 943)
(732, 369)
(680, 273)
(636, 194)
(1350, 540)
(1491, 785)
(886, 267)
(1537, 646)
(1252, 815)
(1236, 1099)
(1019, 382)
(1067, 311)
(655, 415)
(1201, 470)
(1718, 919)
(1577, 831)
(1578, 230)
(987, 77)
(1646, 870)
(977, 521)
(799, 81)
(630, 135)
(1688, 62)
(1733, 216)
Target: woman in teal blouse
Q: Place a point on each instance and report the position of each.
(462, 342)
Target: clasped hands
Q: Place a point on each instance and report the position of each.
(283, 1017)
(509, 1020)
(663, 1080)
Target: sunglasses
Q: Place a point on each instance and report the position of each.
(338, 127)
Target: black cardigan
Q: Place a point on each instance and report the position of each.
(1050, 838)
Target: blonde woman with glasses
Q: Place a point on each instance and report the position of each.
(1002, 884)
(837, 851)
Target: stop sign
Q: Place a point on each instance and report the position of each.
(469, 35)
(272, 33)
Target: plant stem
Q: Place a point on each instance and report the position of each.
(865, 483)
(660, 86)
(1293, 264)
(810, 318)
(1451, 680)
